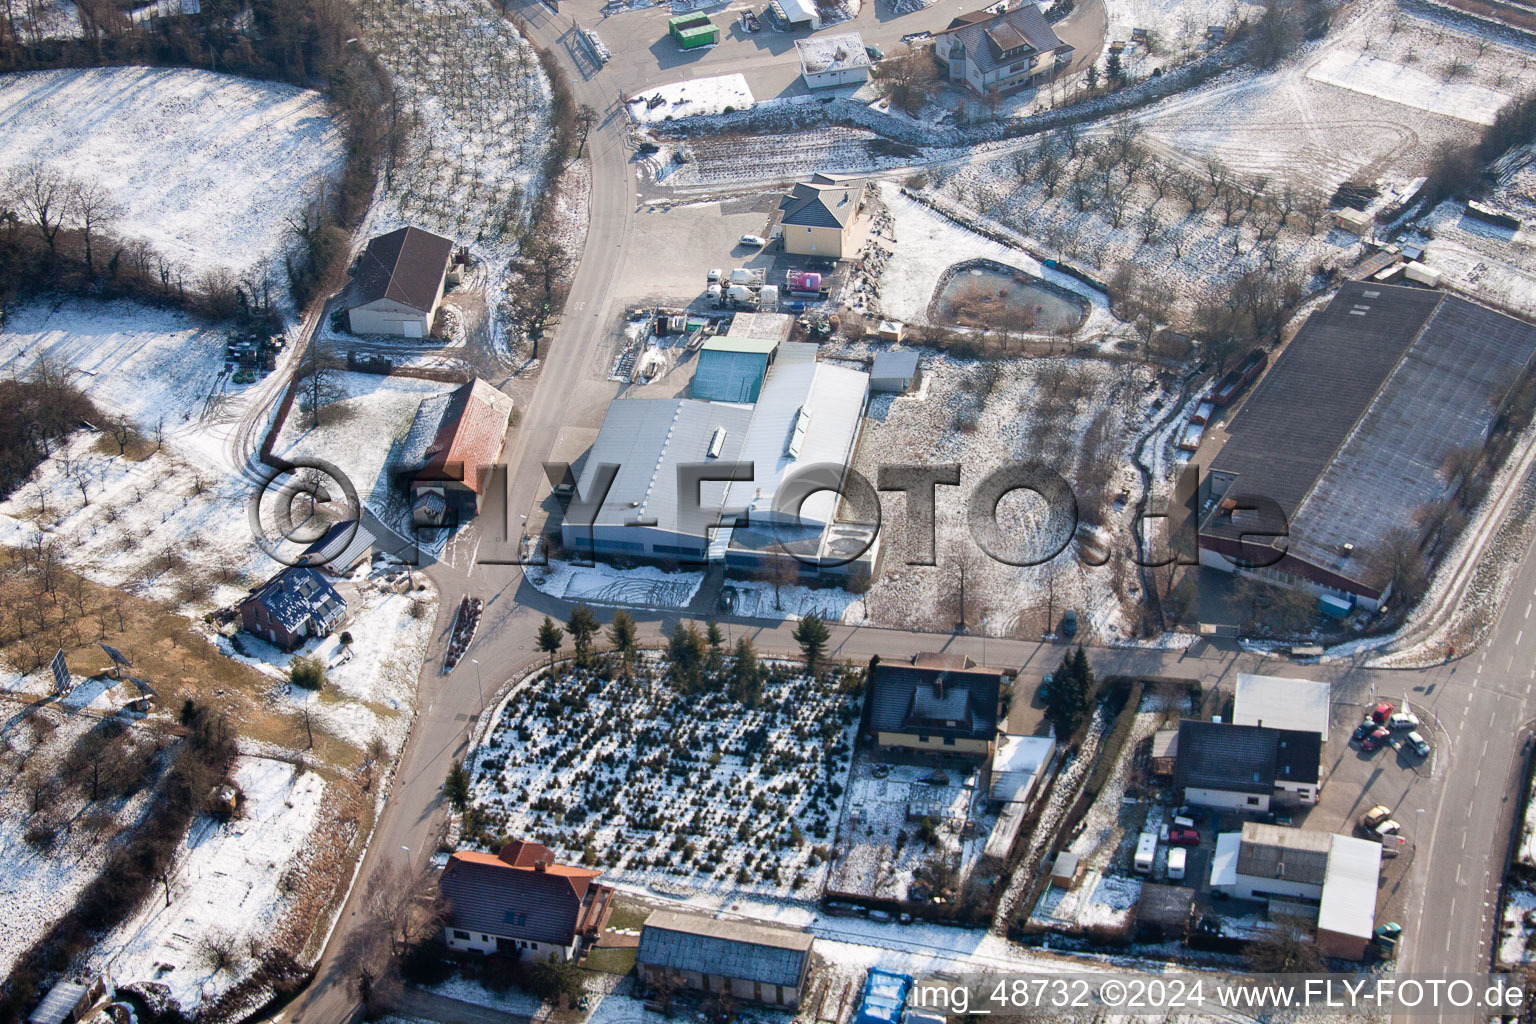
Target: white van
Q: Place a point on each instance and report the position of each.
(1176, 857)
(1146, 852)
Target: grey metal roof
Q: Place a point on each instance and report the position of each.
(896, 364)
(1277, 852)
(59, 1003)
(342, 546)
(1349, 429)
(1244, 758)
(723, 375)
(735, 949)
(648, 439)
(908, 698)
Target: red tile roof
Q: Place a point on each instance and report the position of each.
(469, 437)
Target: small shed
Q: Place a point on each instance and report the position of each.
(829, 61)
(894, 372)
(756, 962)
(890, 330)
(342, 548)
(1165, 751)
(1064, 870)
(1165, 910)
(1356, 222)
(69, 1001)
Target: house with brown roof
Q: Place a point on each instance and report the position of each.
(999, 53)
(942, 705)
(399, 283)
(455, 441)
(521, 902)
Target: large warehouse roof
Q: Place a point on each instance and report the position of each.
(1350, 430)
(648, 438)
(808, 413)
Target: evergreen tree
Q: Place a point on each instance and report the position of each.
(1091, 76)
(456, 786)
(746, 675)
(1114, 70)
(1072, 691)
(621, 633)
(685, 649)
(582, 626)
(550, 637)
(812, 636)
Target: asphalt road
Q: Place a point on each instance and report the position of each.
(1481, 703)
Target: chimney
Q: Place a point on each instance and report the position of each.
(542, 864)
(938, 686)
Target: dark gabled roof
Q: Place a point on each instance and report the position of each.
(1244, 758)
(937, 700)
(405, 266)
(1348, 431)
(340, 547)
(510, 896)
(987, 38)
(735, 949)
(297, 595)
(822, 202)
(1277, 852)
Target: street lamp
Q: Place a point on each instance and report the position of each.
(478, 684)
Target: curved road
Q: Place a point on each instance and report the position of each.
(1459, 818)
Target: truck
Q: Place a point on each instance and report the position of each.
(749, 276)
(741, 295)
(1146, 852)
(1236, 379)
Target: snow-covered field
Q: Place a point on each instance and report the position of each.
(206, 167)
(479, 105)
(153, 365)
(37, 881)
(677, 791)
(718, 95)
(362, 433)
(1177, 27)
(603, 584)
(1411, 87)
(229, 885)
(983, 415)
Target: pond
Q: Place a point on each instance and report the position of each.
(994, 297)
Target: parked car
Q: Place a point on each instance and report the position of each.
(757, 240)
(1183, 837)
(1363, 730)
(1375, 816)
(1069, 623)
(1045, 686)
(1376, 740)
(1403, 720)
(1419, 744)
(1382, 713)
(874, 52)
(1390, 827)
(1194, 814)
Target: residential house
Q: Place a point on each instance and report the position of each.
(292, 607)
(748, 961)
(1247, 767)
(936, 704)
(999, 53)
(817, 217)
(521, 902)
(466, 429)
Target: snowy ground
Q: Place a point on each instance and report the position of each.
(362, 434)
(228, 884)
(882, 852)
(673, 791)
(370, 683)
(755, 599)
(206, 167)
(603, 584)
(700, 96)
(479, 104)
(1517, 928)
(36, 881)
(982, 415)
(1177, 27)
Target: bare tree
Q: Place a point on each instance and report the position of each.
(40, 195)
(93, 209)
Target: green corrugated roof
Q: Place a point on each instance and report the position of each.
(757, 346)
(700, 33)
(688, 21)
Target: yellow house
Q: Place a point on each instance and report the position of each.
(936, 704)
(817, 216)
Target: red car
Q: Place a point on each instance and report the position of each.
(1183, 837)
(1375, 740)
(1382, 712)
